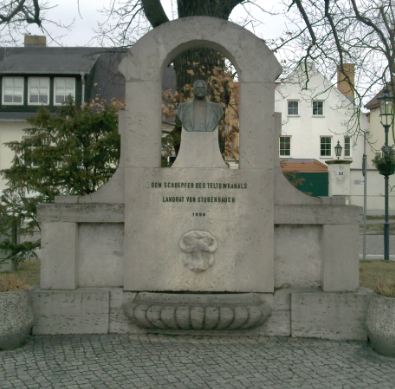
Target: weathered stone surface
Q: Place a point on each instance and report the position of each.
(279, 322)
(58, 255)
(317, 213)
(141, 217)
(118, 321)
(199, 248)
(297, 256)
(100, 255)
(340, 262)
(80, 311)
(243, 230)
(317, 314)
(380, 323)
(16, 318)
(161, 311)
(192, 144)
(75, 212)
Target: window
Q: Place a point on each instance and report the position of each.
(325, 146)
(12, 90)
(293, 107)
(285, 146)
(38, 90)
(347, 146)
(64, 87)
(318, 108)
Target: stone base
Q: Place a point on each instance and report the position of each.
(79, 311)
(330, 315)
(16, 318)
(294, 312)
(381, 324)
(208, 312)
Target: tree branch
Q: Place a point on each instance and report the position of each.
(306, 20)
(31, 13)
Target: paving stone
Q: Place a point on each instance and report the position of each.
(102, 361)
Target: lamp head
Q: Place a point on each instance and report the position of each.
(386, 108)
(338, 150)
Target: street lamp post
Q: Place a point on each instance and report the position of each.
(387, 117)
(338, 150)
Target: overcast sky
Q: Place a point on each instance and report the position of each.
(83, 21)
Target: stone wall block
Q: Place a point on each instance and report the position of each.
(329, 315)
(80, 311)
(58, 255)
(340, 268)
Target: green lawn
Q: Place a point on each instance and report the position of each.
(28, 273)
(373, 272)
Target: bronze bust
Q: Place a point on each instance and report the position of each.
(199, 115)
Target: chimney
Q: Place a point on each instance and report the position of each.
(35, 41)
(345, 80)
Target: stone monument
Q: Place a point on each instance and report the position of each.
(199, 246)
(199, 137)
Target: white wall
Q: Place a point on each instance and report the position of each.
(375, 191)
(337, 121)
(305, 129)
(9, 131)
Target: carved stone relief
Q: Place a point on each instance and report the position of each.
(198, 248)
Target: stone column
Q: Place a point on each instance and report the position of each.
(339, 177)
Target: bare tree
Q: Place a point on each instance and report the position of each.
(333, 33)
(14, 11)
(15, 15)
(323, 31)
(329, 33)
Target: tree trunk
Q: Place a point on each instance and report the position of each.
(199, 63)
(217, 8)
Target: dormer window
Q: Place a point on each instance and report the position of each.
(12, 91)
(64, 87)
(38, 90)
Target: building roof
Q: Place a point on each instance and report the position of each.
(98, 65)
(375, 102)
(302, 166)
(48, 60)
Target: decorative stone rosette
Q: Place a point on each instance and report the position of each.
(165, 311)
(198, 247)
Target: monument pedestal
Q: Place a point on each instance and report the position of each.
(200, 247)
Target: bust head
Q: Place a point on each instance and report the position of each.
(200, 89)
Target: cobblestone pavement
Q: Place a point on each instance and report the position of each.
(120, 361)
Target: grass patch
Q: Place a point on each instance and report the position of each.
(28, 274)
(378, 275)
(11, 281)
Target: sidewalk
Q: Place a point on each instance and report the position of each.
(375, 246)
(120, 361)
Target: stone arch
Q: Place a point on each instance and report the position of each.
(143, 68)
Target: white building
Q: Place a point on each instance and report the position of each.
(316, 115)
